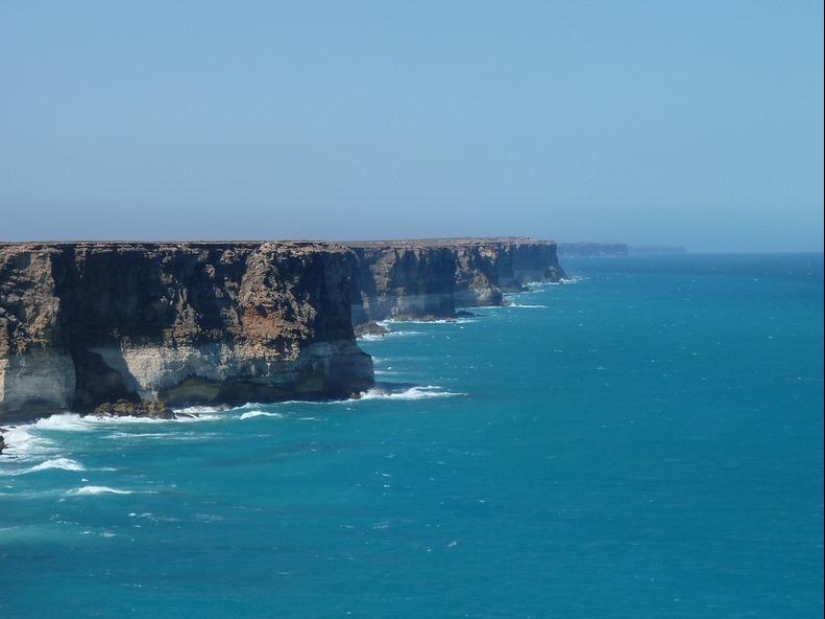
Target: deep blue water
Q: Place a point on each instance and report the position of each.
(646, 442)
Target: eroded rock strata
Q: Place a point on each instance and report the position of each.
(147, 326)
(429, 278)
(141, 327)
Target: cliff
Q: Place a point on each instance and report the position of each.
(137, 327)
(430, 278)
(86, 325)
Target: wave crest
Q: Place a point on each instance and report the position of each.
(253, 414)
(96, 490)
(65, 464)
(412, 393)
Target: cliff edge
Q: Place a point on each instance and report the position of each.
(139, 327)
(430, 278)
(84, 326)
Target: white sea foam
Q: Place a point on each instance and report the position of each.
(22, 444)
(96, 490)
(439, 321)
(198, 410)
(413, 393)
(253, 414)
(526, 306)
(64, 422)
(104, 420)
(66, 464)
(72, 422)
(372, 337)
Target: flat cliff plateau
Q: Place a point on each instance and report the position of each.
(430, 278)
(138, 327)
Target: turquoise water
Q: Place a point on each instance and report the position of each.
(646, 442)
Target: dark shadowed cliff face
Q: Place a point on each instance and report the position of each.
(93, 323)
(430, 278)
(402, 282)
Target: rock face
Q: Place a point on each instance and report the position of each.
(140, 327)
(86, 325)
(430, 278)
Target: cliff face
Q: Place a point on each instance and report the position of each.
(403, 282)
(87, 324)
(430, 278)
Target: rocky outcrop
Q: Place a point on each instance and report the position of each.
(430, 278)
(89, 325)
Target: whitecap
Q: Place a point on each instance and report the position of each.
(185, 417)
(253, 414)
(525, 306)
(437, 321)
(96, 490)
(22, 444)
(65, 464)
(198, 410)
(413, 393)
(64, 422)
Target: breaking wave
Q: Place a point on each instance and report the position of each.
(411, 393)
(96, 490)
(253, 414)
(65, 464)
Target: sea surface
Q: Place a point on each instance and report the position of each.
(643, 442)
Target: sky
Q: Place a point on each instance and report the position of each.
(697, 124)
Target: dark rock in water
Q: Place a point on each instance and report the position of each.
(465, 314)
(370, 328)
(2, 443)
(125, 408)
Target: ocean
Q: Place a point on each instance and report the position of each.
(644, 441)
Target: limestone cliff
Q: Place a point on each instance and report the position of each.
(430, 278)
(142, 326)
(87, 324)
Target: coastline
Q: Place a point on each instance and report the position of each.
(140, 328)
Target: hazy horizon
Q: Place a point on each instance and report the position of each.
(647, 123)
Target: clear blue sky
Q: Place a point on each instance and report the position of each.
(691, 123)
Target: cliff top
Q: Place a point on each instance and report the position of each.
(166, 246)
(448, 242)
(296, 246)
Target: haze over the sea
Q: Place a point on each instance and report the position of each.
(693, 124)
